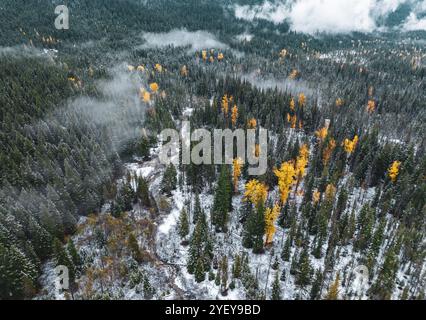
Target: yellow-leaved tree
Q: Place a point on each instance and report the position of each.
(159, 67)
(236, 166)
(302, 99)
(271, 215)
(371, 106)
(234, 115)
(252, 123)
(350, 145)
(256, 192)
(393, 170)
(316, 196)
(292, 105)
(225, 105)
(330, 192)
(154, 87)
(328, 150)
(293, 122)
(322, 133)
(286, 177)
(301, 162)
(339, 102)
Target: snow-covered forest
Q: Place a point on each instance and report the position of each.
(339, 214)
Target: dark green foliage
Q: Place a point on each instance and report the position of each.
(169, 180)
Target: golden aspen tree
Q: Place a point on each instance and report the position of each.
(371, 106)
(130, 68)
(234, 115)
(322, 133)
(204, 55)
(293, 122)
(302, 99)
(330, 192)
(146, 97)
(300, 124)
(211, 59)
(328, 150)
(252, 123)
(236, 172)
(220, 56)
(350, 145)
(339, 102)
(141, 68)
(286, 176)
(154, 87)
(283, 53)
(292, 105)
(255, 192)
(159, 67)
(302, 162)
(271, 215)
(225, 105)
(288, 117)
(333, 291)
(316, 196)
(393, 170)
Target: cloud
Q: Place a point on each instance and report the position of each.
(196, 40)
(119, 109)
(330, 16)
(413, 23)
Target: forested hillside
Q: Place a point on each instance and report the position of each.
(82, 184)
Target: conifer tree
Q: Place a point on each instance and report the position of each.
(276, 288)
(385, 283)
(222, 200)
(134, 248)
(285, 254)
(254, 229)
(200, 250)
(198, 211)
(142, 192)
(183, 224)
(317, 285)
(169, 181)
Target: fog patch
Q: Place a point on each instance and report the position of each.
(293, 87)
(118, 111)
(195, 40)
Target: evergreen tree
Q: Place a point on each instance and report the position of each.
(198, 211)
(285, 254)
(169, 180)
(223, 200)
(142, 192)
(276, 288)
(200, 250)
(134, 248)
(317, 285)
(254, 229)
(183, 224)
(384, 285)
